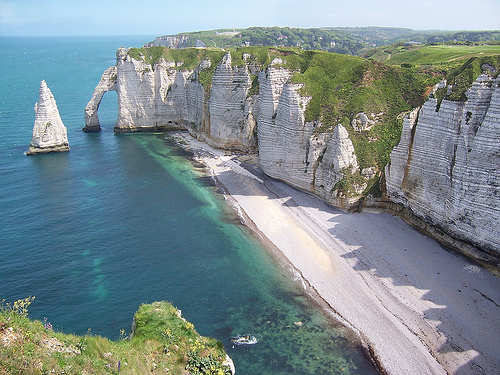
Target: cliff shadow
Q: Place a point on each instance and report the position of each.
(440, 289)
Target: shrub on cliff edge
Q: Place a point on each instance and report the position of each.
(161, 342)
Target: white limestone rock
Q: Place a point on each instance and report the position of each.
(171, 41)
(447, 169)
(395, 169)
(162, 97)
(136, 91)
(282, 132)
(289, 150)
(107, 83)
(338, 158)
(49, 132)
(368, 173)
(232, 120)
(362, 122)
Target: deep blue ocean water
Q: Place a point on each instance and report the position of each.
(122, 220)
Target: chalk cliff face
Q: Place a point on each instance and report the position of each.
(162, 97)
(49, 132)
(446, 168)
(289, 149)
(107, 83)
(175, 42)
(231, 110)
(149, 98)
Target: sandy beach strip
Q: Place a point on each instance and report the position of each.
(418, 308)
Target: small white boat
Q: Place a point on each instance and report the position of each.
(244, 340)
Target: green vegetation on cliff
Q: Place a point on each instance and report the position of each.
(462, 77)
(185, 59)
(350, 41)
(162, 342)
(341, 87)
(345, 40)
(443, 55)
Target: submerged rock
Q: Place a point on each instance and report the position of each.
(49, 132)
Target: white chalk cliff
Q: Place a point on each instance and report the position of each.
(49, 132)
(107, 83)
(289, 150)
(161, 97)
(445, 169)
(231, 110)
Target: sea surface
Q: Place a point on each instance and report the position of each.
(122, 220)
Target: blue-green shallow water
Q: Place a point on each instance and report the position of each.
(122, 220)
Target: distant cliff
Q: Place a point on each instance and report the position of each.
(327, 124)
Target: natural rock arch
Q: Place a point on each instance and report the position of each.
(107, 83)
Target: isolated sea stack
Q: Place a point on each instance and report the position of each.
(49, 132)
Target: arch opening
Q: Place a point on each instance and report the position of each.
(107, 83)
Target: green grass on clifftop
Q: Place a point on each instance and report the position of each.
(462, 77)
(162, 343)
(342, 86)
(185, 59)
(450, 55)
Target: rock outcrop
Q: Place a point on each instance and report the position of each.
(49, 132)
(446, 168)
(171, 41)
(232, 111)
(107, 83)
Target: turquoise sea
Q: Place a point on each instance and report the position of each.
(122, 220)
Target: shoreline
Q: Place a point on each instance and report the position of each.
(415, 307)
(350, 332)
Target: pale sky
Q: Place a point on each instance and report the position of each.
(161, 17)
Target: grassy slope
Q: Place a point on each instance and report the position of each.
(431, 54)
(343, 86)
(162, 342)
(462, 77)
